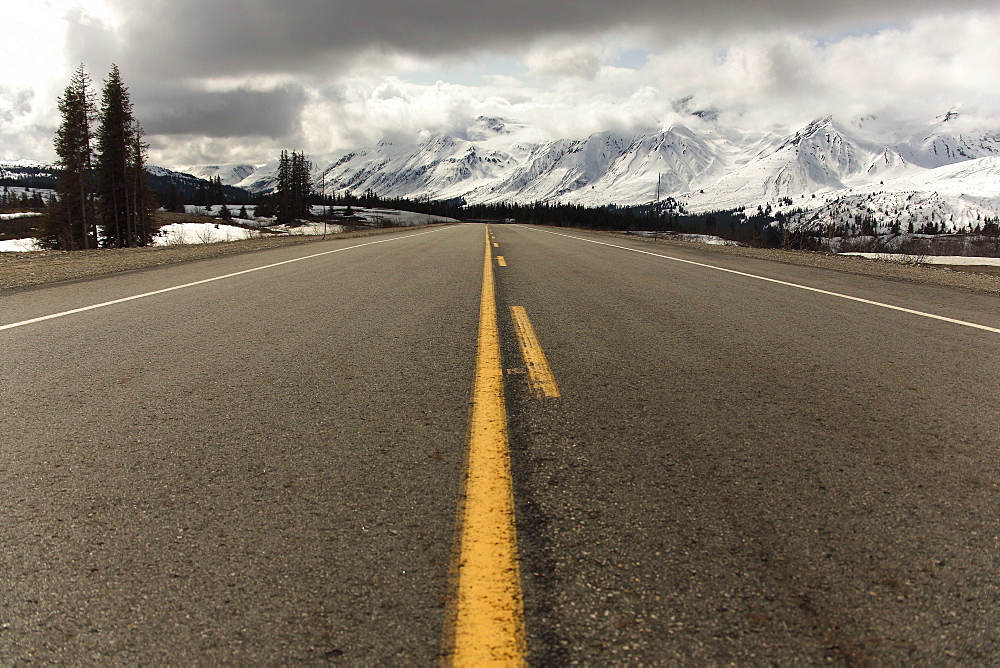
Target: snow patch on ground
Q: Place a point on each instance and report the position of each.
(19, 245)
(216, 209)
(309, 229)
(931, 259)
(200, 233)
(709, 239)
(22, 214)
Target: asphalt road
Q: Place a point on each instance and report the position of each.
(267, 468)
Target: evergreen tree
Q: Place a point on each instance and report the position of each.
(294, 191)
(298, 189)
(123, 191)
(174, 201)
(216, 195)
(73, 224)
(283, 190)
(143, 198)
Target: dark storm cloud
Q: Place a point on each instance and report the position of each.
(236, 37)
(232, 113)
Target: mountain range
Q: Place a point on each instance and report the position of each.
(938, 171)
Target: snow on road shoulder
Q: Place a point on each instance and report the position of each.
(200, 233)
(709, 239)
(19, 245)
(931, 259)
(308, 229)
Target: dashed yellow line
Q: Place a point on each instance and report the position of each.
(488, 623)
(541, 382)
(500, 261)
(496, 245)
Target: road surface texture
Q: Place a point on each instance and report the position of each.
(267, 463)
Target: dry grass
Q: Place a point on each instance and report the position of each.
(973, 279)
(21, 270)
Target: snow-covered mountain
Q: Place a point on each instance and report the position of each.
(866, 161)
(944, 171)
(841, 173)
(490, 163)
(705, 169)
(232, 174)
(15, 171)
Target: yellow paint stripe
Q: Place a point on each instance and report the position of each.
(496, 245)
(489, 612)
(541, 382)
(500, 261)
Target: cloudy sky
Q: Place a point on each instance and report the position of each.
(218, 81)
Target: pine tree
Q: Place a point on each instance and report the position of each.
(306, 193)
(73, 223)
(143, 198)
(123, 191)
(174, 202)
(294, 189)
(216, 194)
(283, 190)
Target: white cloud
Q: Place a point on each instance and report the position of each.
(569, 61)
(911, 73)
(215, 86)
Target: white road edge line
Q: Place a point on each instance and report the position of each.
(62, 314)
(902, 309)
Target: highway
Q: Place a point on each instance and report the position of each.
(273, 458)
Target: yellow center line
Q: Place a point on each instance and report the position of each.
(500, 261)
(541, 382)
(488, 623)
(496, 245)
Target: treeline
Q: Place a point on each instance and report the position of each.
(103, 195)
(173, 193)
(25, 201)
(32, 178)
(542, 213)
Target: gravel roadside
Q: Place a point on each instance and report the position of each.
(971, 278)
(22, 270)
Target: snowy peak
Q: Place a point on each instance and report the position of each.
(495, 167)
(708, 168)
(941, 149)
(485, 128)
(231, 175)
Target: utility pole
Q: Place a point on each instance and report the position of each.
(656, 207)
(326, 209)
